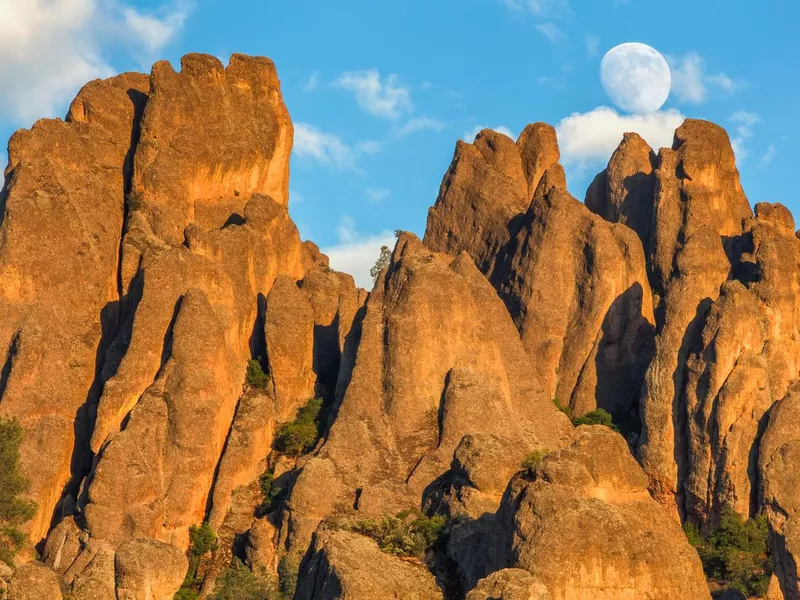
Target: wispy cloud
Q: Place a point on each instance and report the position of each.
(692, 84)
(380, 96)
(377, 195)
(550, 31)
(744, 122)
(325, 148)
(539, 8)
(312, 83)
(417, 124)
(592, 46)
(769, 155)
(154, 30)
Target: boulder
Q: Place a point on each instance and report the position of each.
(348, 566)
(34, 581)
(585, 524)
(509, 584)
(147, 569)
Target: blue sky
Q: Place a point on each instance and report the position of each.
(381, 90)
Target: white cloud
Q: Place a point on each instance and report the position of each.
(744, 122)
(469, 136)
(691, 83)
(356, 254)
(325, 148)
(312, 83)
(550, 31)
(592, 46)
(377, 195)
(420, 124)
(155, 30)
(50, 48)
(588, 139)
(380, 96)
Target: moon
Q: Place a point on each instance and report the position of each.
(636, 77)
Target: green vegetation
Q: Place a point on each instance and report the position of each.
(564, 408)
(534, 459)
(736, 554)
(596, 417)
(202, 541)
(272, 492)
(301, 435)
(409, 533)
(14, 511)
(237, 582)
(599, 416)
(288, 569)
(255, 376)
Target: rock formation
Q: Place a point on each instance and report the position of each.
(575, 285)
(438, 359)
(149, 271)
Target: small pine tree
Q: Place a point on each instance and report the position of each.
(383, 261)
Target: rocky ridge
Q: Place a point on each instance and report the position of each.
(154, 396)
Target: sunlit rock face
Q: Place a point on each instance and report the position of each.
(149, 273)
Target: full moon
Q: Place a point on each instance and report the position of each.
(636, 77)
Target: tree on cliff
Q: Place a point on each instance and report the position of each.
(381, 263)
(14, 511)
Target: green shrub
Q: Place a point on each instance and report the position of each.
(288, 569)
(255, 376)
(186, 594)
(596, 417)
(202, 539)
(301, 435)
(409, 533)
(534, 459)
(237, 582)
(272, 492)
(14, 511)
(736, 554)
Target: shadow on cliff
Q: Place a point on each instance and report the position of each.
(625, 349)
